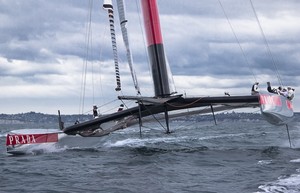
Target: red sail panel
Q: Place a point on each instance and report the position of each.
(16, 139)
(151, 21)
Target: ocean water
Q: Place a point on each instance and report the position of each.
(233, 156)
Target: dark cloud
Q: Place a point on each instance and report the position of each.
(30, 26)
(48, 38)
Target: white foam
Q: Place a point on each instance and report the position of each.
(264, 162)
(45, 148)
(37, 148)
(290, 184)
(295, 160)
(136, 142)
(125, 142)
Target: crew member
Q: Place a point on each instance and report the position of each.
(121, 107)
(274, 90)
(283, 92)
(255, 89)
(291, 93)
(95, 111)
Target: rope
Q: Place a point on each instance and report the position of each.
(84, 64)
(100, 66)
(143, 35)
(149, 110)
(236, 38)
(267, 45)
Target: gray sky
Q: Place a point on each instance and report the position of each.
(43, 50)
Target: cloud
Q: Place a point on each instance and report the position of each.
(44, 49)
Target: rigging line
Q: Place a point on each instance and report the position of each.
(91, 51)
(149, 110)
(84, 67)
(267, 45)
(127, 104)
(111, 108)
(108, 103)
(143, 35)
(183, 125)
(100, 63)
(82, 75)
(124, 103)
(236, 38)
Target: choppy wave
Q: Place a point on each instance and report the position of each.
(142, 141)
(64, 142)
(264, 162)
(45, 148)
(295, 160)
(235, 157)
(137, 142)
(284, 184)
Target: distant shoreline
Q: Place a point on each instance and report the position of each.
(33, 117)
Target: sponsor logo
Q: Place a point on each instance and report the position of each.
(17, 139)
(272, 100)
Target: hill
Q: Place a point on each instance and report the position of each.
(40, 118)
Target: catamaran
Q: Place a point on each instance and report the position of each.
(166, 103)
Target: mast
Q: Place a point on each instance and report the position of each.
(155, 48)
